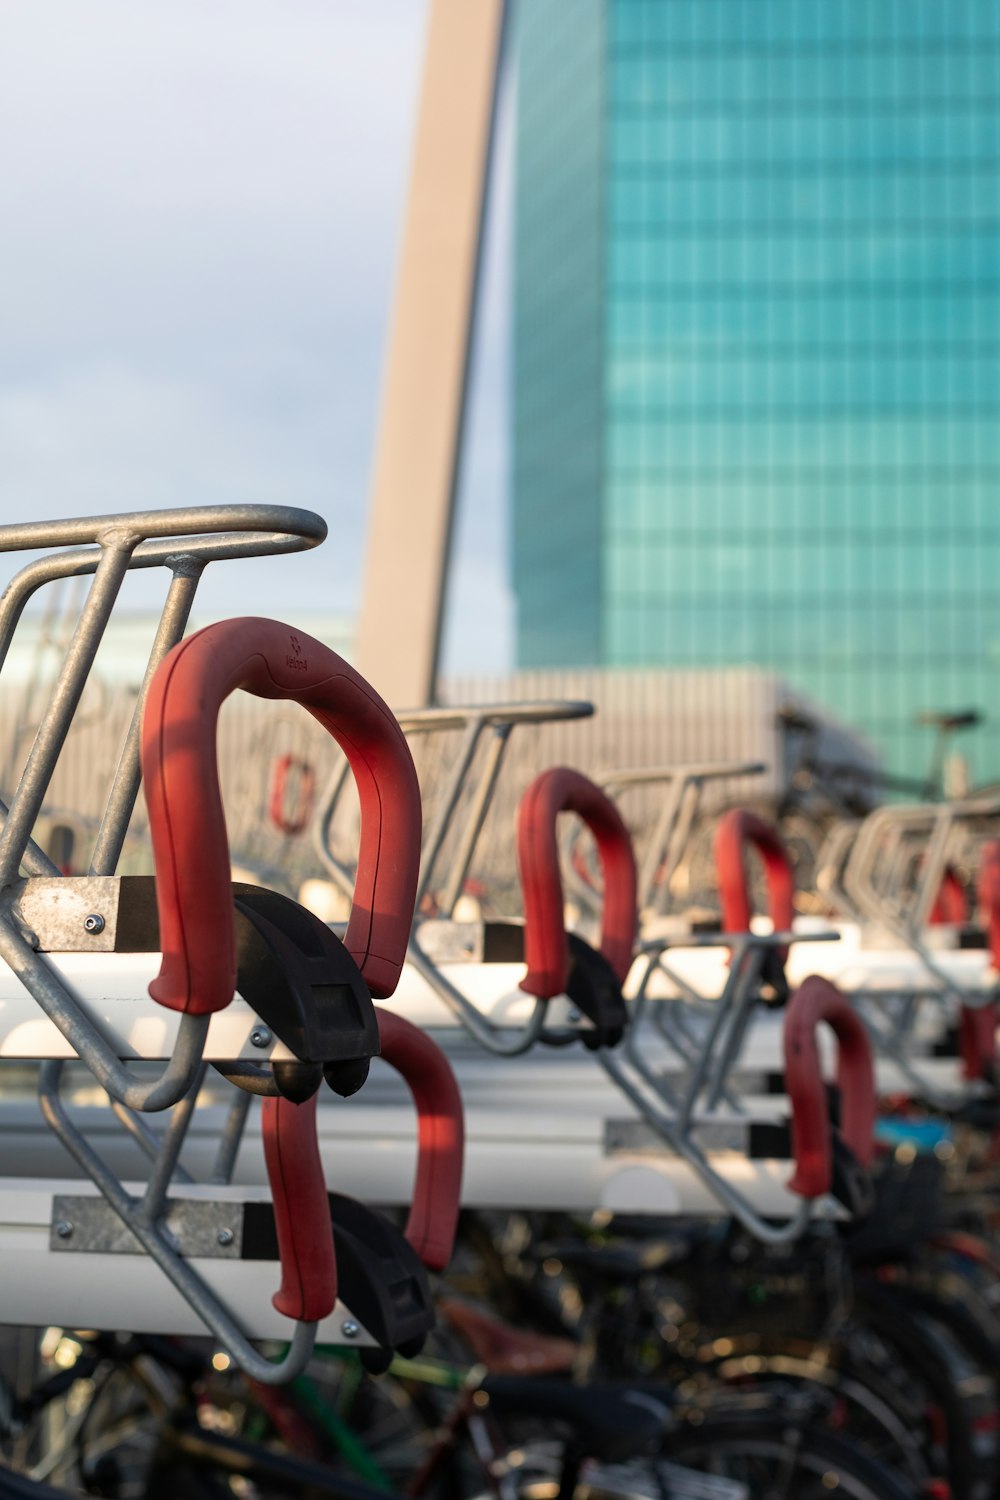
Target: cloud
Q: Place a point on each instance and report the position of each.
(202, 202)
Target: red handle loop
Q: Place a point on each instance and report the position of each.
(187, 824)
(977, 1025)
(308, 1288)
(736, 829)
(950, 903)
(989, 896)
(293, 819)
(433, 1217)
(818, 1000)
(545, 948)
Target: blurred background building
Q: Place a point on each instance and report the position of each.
(756, 328)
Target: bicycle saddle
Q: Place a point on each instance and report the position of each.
(967, 718)
(505, 1350)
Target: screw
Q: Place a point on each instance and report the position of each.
(94, 923)
(225, 1236)
(349, 1329)
(64, 1229)
(260, 1037)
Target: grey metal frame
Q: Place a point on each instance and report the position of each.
(497, 722)
(685, 785)
(674, 1113)
(108, 547)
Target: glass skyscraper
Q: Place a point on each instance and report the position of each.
(757, 348)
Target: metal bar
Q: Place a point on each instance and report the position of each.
(536, 711)
(88, 1043)
(191, 521)
(34, 858)
(158, 1185)
(232, 1135)
(187, 573)
(446, 810)
(493, 1038)
(677, 842)
(681, 1144)
(51, 736)
(935, 861)
(476, 817)
(742, 1005)
(660, 838)
(145, 1138)
(154, 1241)
(701, 1070)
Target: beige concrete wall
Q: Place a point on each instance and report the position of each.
(424, 384)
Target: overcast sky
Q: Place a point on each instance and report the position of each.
(201, 204)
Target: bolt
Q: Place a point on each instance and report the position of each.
(64, 1229)
(94, 923)
(260, 1037)
(225, 1236)
(349, 1329)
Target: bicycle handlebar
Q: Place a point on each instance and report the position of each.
(818, 1000)
(187, 823)
(545, 947)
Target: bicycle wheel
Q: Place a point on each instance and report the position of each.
(782, 1460)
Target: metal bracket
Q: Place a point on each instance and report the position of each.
(756, 1140)
(90, 1225)
(69, 913)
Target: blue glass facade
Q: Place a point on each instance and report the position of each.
(790, 406)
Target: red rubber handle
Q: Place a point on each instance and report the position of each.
(818, 1000)
(736, 829)
(977, 1040)
(291, 820)
(545, 948)
(308, 1288)
(437, 1190)
(989, 896)
(977, 1025)
(950, 903)
(187, 824)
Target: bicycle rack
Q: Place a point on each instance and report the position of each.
(881, 997)
(816, 1155)
(324, 1023)
(674, 1119)
(672, 832)
(493, 725)
(893, 876)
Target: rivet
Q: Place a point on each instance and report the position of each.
(94, 923)
(64, 1229)
(225, 1236)
(260, 1037)
(349, 1329)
